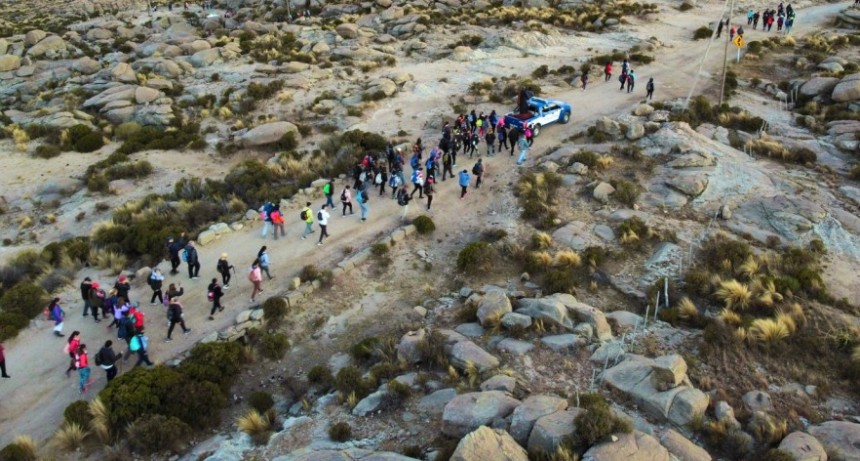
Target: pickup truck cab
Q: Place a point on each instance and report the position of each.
(541, 112)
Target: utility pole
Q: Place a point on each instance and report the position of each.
(726, 54)
(704, 58)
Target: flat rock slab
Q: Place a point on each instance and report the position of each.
(434, 403)
(467, 412)
(514, 346)
(471, 330)
(561, 343)
(485, 444)
(840, 436)
(533, 408)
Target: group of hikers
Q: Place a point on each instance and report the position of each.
(782, 16)
(627, 79)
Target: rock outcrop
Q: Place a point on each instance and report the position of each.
(485, 444)
(467, 412)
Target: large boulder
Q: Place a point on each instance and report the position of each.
(839, 436)
(464, 353)
(407, 349)
(492, 307)
(848, 89)
(803, 447)
(205, 58)
(550, 431)
(688, 184)
(669, 371)
(9, 62)
(47, 47)
(467, 412)
(144, 95)
(347, 30)
(683, 448)
(635, 446)
(549, 310)
(122, 72)
(602, 192)
(757, 401)
(34, 36)
(87, 65)
(97, 33)
(485, 444)
(818, 86)
(533, 408)
(268, 133)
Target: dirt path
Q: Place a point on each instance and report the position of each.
(33, 400)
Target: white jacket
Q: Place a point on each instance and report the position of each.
(324, 220)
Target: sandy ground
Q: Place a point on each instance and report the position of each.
(33, 400)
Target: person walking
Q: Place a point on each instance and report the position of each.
(529, 135)
(649, 88)
(156, 280)
(584, 80)
(403, 199)
(322, 217)
(448, 165)
(732, 33)
(417, 183)
(116, 305)
(631, 81)
(720, 28)
(524, 151)
(174, 316)
(140, 344)
(328, 192)
(224, 268)
(478, 171)
(755, 20)
(71, 349)
(193, 260)
(278, 222)
(263, 257)
(86, 284)
(122, 287)
(307, 215)
(214, 294)
(607, 72)
(106, 358)
(266, 215)
(362, 198)
(137, 315)
(380, 180)
(429, 190)
(57, 314)
(750, 15)
(346, 200)
(625, 66)
(83, 364)
(125, 328)
(490, 138)
(502, 134)
(3, 363)
(513, 137)
(96, 297)
(740, 31)
(173, 249)
(790, 22)
(623, 79)
(255, 276)
(464, 183)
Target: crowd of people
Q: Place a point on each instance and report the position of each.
(782, 16)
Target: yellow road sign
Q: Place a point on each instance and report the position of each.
(738, 41)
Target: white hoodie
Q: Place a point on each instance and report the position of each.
(324, 214)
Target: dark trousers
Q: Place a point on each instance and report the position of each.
(111, 373)
(142, 357)
(89, 307)
(3, 369)
(630, 87)
(173, 323)
(193, 269)
(323, 231)
(382, 188)
(429, 201)
(503, 144)
(447, 170)
(478, 181)
(650, 94)
(174, 264)
(71, 364)
(608, 77)
(463, 191)
(513, 143)
(157, 294)
(454, 157)
(225, 278)
(418, 188)
(216, 305)
(345, 205)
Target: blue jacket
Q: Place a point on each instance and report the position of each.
(464, 178)
(264, 259)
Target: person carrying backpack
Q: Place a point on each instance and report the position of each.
(193, 261)
(106, 358)
(403, 199)
(173, 249)
(362, 198)
(631, 81)
(328, 191)
(263, 257)
(322, 218)
(380, 180)
(83, 365)
(490, 138)
(122, 287)
(473, 141)
(346, 200)
(478, 171)
(136, 314)
(174, 316)
(266, 215)
(584, 80)
(214, 294)
(529, 135)
(307, 215)
(415, 161)
(255, 276)
(447, 166)
(224, 268)
(140, 343)
(278, 222)
(418, 183)
(85, 295)
(56, 313)
(649, 88)
(394, 182)
(125, 329)
(429, 189)
(156, 280)
(96, 298)
(71, 346)
(623, 79)
(464, 183)
(513, 137)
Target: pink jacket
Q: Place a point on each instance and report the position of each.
(256, 275)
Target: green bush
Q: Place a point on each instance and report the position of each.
(540, 72)
(15, 452)
(476, 257)
(47, 151)
(11, 323)
(585, 157)
(274, 310)
(274, 345)
(126, 130)
(218, 363)
(754, 46)
(321, 376)
(78, 412)
(261, 401)
(364, 350)
(702, 33)
(141, 392)
(287, 142)
(129, 170)
(597, 423)
(24, 298)
(348, 380)
(626, 192)
(77, 132)
(151, 434)
(384, 371)
(686, 6)
(340, 432)
(90, 143)
(424, 224)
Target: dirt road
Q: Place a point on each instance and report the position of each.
(33, 400)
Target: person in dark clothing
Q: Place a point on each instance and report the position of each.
(97, 300)
(85, 295)
(193, 260)
(502, 134)
(156, 280)
(429, 190)
(755, 20)
(215, 295)
(478, 171)
(125, 331)
(106, 358)
(174, 316)
(649, 87)
(719, 29)
(447, 165)
(122, 287)
(3, 363)
(224, 268)
(142, 343)
(173, 249)
(513, 137)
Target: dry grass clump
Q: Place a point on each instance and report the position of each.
(734, 294)
(769, 331)
(775, 150)
(99, 424)
(541, 240)
(109, 260)
(687, 308)
(70, 437)
(567, 258)
(22, 447)
(537, 196)
(256, 425)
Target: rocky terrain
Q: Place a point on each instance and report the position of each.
(663, 280)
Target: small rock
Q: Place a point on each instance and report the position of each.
(499, 383)
(757, 401)
(603, 191)
(563, 342)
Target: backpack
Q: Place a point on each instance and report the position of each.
(402, 197)
(415, 163)
(184, 255)
(378, 179)
(363, 176)
(98, 358)
(343, 196)
(415, 178)
(476, 169)
(151, 280)
(210, 296)
(363, 197)
(304, 215)
(134, 344)
(392, 181)
(100, 294)
(319, 215)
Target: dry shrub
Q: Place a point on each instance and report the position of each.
(22, 448)
(109, 260)
(541, 240)
(567, 258)
(70, 437)
(769, 331)
(734, 294)
(687, 309)
(100, 423)
(340, 432)
(257, 426)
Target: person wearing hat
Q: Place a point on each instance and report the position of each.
(122, 287)
(96, 298)
(224, 268)
(173, 249)
(193, 261)
(85, 294)
(156, 280)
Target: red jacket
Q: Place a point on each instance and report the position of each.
(138, 318)
(83, 362)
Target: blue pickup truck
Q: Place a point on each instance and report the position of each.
(542, 112)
